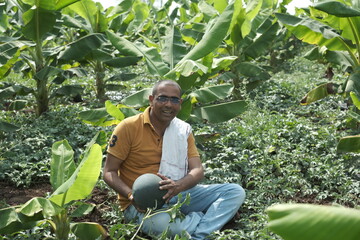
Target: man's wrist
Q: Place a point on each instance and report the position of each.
(130, 196)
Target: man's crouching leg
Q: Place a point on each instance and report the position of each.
(160, 222)
(218, 202)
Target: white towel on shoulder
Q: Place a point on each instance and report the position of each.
(174, 160)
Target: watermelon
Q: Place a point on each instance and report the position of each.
(146, 192)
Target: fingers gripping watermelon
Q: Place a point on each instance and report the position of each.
(146, 192)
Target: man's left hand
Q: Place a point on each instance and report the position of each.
(168, 184)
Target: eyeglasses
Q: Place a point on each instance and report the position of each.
(164, 99)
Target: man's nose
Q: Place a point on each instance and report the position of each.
(168, 102)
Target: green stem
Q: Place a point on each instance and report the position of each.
(61, 226)
(352, 55)
(147, 214)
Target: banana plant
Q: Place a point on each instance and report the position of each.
(71, 183)
(253, 32)
(29, 45)
(91, 48)
(334, 27)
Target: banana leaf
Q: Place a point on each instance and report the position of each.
(80, 48)
(39, 21)
(88, 231)
(27, 216)
(88, 10)
(83, 180)
(8, 127)
(318, 93)
(114, 111)
(355, 99)
(152, 57)
(305, 221)
(174, 49)
(138, 99)
(349, 144)
(214, 35)
(60, 4)
(214, 93)
(313, 32)
(220, 112)
(62, 163)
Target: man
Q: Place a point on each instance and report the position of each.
(140, 144)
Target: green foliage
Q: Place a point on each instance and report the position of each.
(280, 151)
(25, 154)
(33, 21)
(333, 26)
(62, 162)
(68, 187)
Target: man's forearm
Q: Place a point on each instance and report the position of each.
(114, 181)
(191, 179)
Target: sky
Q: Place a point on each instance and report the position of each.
(298, 4)
(291, 6)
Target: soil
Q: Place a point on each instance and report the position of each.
(11, 196)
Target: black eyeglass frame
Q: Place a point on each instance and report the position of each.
(164, 99)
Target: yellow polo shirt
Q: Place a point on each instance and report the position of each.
(135, 141)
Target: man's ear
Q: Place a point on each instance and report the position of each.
(151, 98)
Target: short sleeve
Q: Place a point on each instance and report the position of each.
(120, 141)
(192, 150)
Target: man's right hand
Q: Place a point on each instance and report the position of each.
(131, 198)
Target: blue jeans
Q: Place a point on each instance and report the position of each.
(210, 208)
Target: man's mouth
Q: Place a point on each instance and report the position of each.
(167, 111)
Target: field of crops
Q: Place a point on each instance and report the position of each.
(273, 98)
(278, 150)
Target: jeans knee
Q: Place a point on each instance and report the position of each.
(238, 192)
(156, 224)
(159, 223)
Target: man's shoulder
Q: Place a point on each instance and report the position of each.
(135, 119)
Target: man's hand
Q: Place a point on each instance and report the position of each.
(193, 177)
(172, 186)
(112, 178)
(131, 198)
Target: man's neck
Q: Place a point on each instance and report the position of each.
(159, 126)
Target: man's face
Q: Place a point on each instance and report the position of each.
(166, 104)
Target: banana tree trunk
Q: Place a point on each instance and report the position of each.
(42, 97)
(100, 84)
(42, 93)
(61, 226)
(237, 82)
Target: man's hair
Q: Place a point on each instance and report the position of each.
(165, 82)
